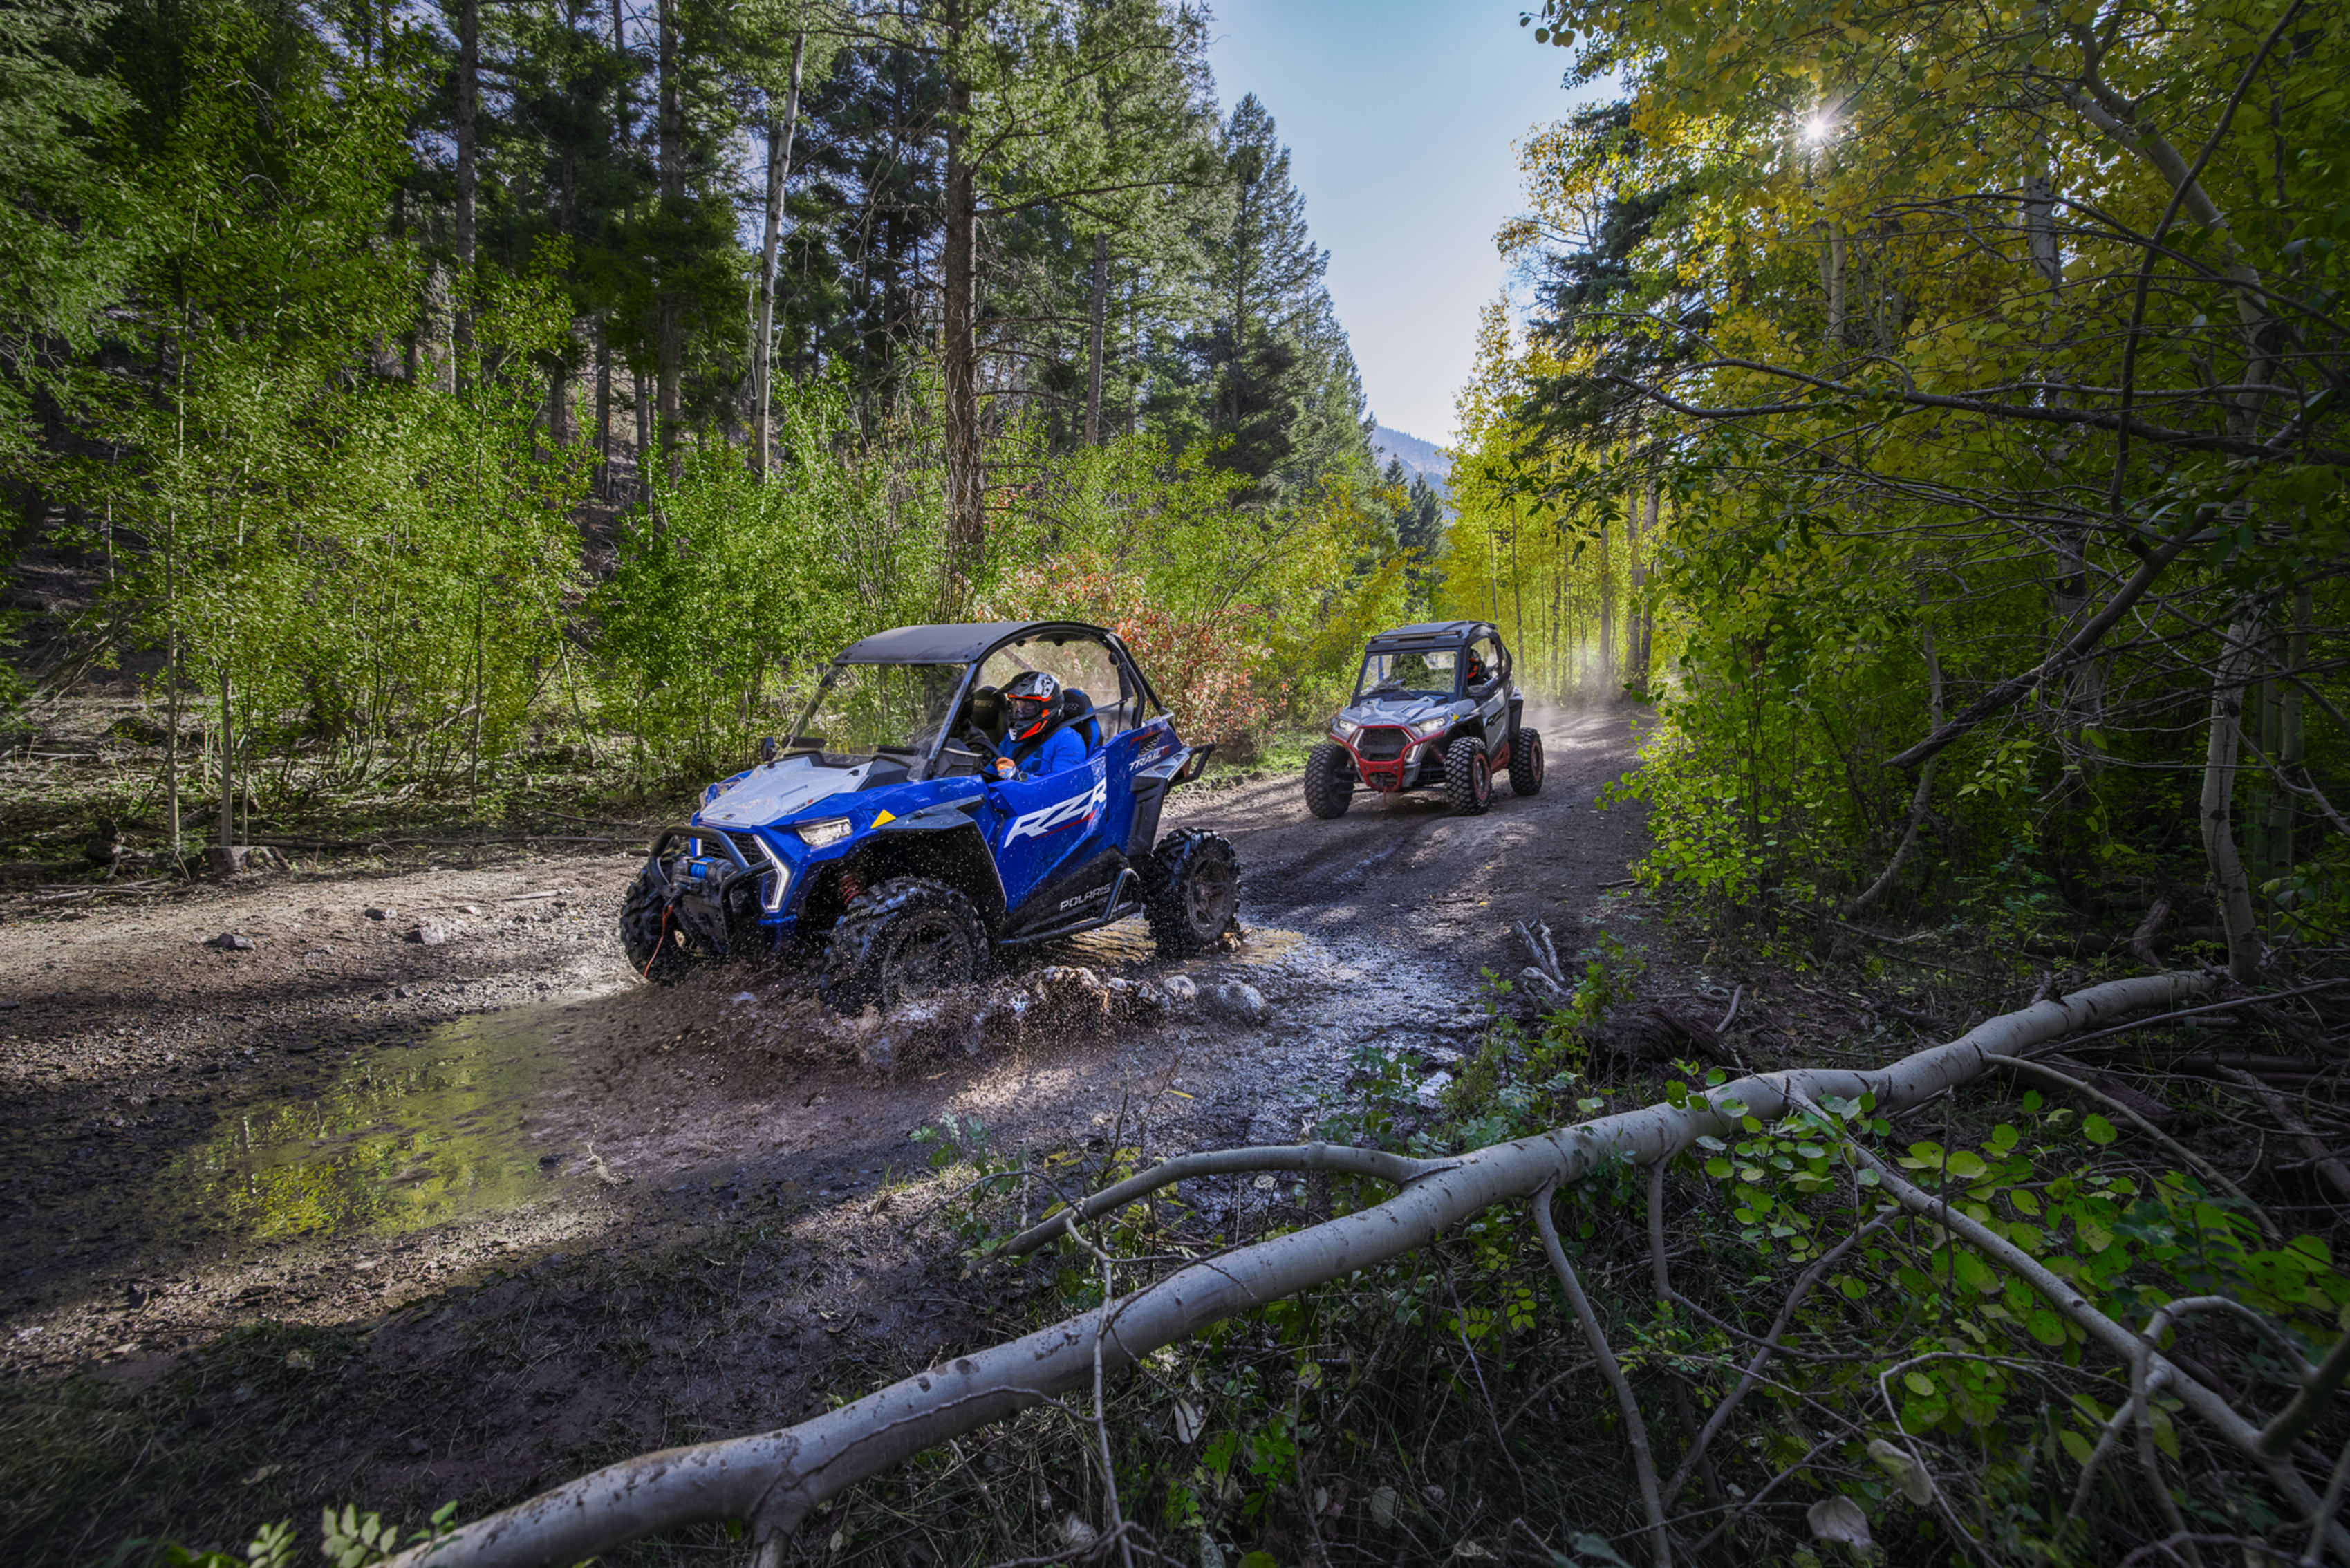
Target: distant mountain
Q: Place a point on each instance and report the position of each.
(1419, 456)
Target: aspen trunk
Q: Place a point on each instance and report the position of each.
(469, 93)
(958, 347)
(1607, 570)
(227, 765)
(558, 403)
(762, 343)
(2230, 884)
(2040, 221)
(669, 309)
(603, 411)
(1833, 270)
(1094, 345)
(1644, 618)
(2292, 745)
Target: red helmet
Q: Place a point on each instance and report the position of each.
(1029, 702)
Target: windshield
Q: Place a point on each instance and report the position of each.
(862, 708)
(1422, 673)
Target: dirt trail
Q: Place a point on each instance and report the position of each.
(494, 1130)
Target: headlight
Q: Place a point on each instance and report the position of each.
(1435, 726)
(778, 883)
(817, 834)
(1344, 729)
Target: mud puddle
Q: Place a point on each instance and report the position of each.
(1128, 945)
(399, 1139)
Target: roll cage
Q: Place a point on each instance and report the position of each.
(972, 646)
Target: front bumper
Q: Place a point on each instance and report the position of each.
(720, 880)
(1387, 757)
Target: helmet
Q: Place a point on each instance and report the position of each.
(1029, 702)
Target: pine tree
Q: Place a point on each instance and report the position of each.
(1268, 378)
(65, 244)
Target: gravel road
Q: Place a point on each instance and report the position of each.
(429, 1112)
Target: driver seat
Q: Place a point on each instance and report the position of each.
(985, 712)
(1077, 714)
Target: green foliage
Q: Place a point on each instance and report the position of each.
(730, 594)
(1520, 1080)
(65, 245)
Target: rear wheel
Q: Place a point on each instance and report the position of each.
(649, 935)
(1467, 776)
(1526, 762)
(1194, 887)
(1329, 780)
(900, 940)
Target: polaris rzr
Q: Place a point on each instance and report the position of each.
(1433, 709)
(899, 838)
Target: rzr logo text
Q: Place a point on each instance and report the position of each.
(1061, 814)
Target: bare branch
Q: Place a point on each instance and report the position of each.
(1636, 1430)
(2311, 1145)
(1373, 1163)
(1918, 802)
(2075, 649)
(775, 1479)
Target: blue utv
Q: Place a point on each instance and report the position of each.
(901, 836)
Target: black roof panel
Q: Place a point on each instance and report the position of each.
(1428, 631)
(958, 644)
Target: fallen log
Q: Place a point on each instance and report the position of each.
(774, 1480)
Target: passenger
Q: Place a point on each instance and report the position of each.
(1033, 702)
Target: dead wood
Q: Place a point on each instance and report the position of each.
(775, 1479)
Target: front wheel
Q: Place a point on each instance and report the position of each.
(900, 940)
(1467, 776)
(1329, 780)
(648, 934)
(1526, 762)
(1194, 887)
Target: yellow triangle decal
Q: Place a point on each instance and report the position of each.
(885, 816)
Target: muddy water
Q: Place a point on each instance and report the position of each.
(456, 1124)
(1128, 945)
(399, 1139)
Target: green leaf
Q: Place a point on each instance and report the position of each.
(2096, 1129)
(2045, 1326)
(1967, 1165)
(2075, 1444)
(1974, 1274)
(1718, 1168)
(1918, 1384)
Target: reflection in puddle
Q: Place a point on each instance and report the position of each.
(400, 1140)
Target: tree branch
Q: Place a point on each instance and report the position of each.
(1636, 1430)
(2075, 649)
(1378, 1165)
(775, 1478)
(1918, 801)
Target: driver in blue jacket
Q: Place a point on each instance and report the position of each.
(1037, 746)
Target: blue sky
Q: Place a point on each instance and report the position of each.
(1401, 118)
